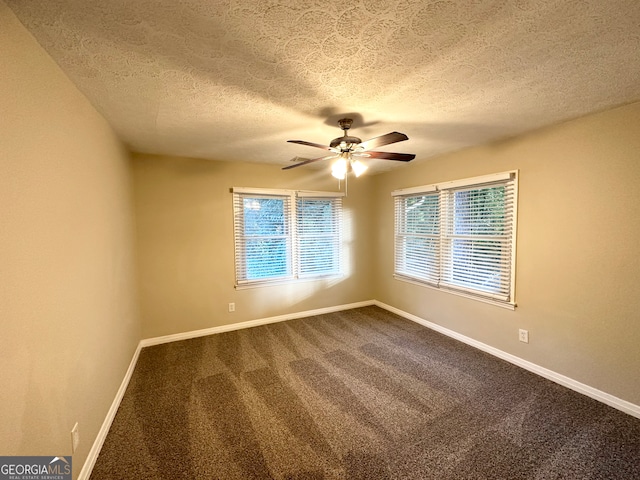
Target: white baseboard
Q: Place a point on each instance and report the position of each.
(615, 402)
(251, 323)
(85, 473)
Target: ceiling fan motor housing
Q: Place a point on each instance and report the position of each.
(345, 124)
(346, 143)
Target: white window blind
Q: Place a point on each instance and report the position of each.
(282, 235)
(459, 236)
(477, 239)
(263, 237)
(318, 235)
(417, 253)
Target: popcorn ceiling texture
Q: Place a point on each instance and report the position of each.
(234, 79)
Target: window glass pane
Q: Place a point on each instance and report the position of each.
(318, 256)
(315, 216)
(265, 238)
(417, 237)
(266, 258)
(264, 216)
(477, 264)
(421, 214)
(479, 212)
(419, 256)
(318, 236)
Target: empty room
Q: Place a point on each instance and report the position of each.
(320, 240)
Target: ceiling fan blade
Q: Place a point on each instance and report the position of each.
(311, 144)
(309, 161)
(387, 139)
(401, 157)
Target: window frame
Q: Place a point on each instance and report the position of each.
(293, 237)
(504, 296)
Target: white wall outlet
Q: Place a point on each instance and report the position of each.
(75, 438)
(232, 307)
(523, 335)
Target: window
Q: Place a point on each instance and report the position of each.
(418, 237)
(318, 235)
(283, 235)
(459, 236)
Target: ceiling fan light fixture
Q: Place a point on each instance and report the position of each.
(358, 167)
(339, 168)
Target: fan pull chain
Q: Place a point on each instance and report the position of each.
(346, 185)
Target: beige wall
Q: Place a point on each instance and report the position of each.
(577, 270)
(185, 244)
(68, 321)
(68, 310)
(578, 259)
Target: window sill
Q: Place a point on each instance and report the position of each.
(497, 303)
(286, 281)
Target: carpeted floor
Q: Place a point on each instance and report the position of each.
(359, 394)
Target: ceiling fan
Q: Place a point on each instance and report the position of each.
(345, 148)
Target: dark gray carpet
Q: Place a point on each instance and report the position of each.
(359, 394)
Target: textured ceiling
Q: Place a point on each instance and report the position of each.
(234, 79)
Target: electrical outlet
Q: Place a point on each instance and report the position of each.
(75, 438)
(232, 307)
(524, 335)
